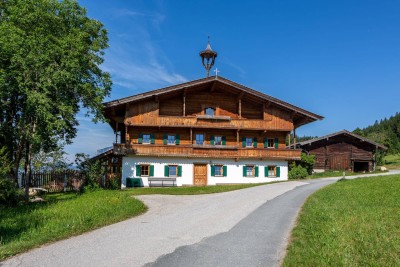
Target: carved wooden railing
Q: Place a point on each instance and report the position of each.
(203, 121)
(206, 151)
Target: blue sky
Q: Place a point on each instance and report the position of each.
(339, 59)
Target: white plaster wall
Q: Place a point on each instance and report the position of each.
(234, 169)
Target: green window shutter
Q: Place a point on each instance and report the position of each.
(137, 170)
(278, 171)
(152, 139)
(256, 171)
(151, 170)
(265, 142)
(212, 140)
(165, 139)
(212, 170)
(276, 142)
(243, 141)
(255, 142)
(225, 169)
(140, 138)
(177, 139)
(179, 171)
(166, 170)
(266, 169)
(244, 171)
(223, 140)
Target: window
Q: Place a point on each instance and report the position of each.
(218, 140)
(199, 139)
(171, 139)
(249, 171)
(172, 170)
(271, 171)
(146, 138)
(210, 111)
(144, 170)
(270, 143)
(249, 142)
(218, 170)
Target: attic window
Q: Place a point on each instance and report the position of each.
(209, 111)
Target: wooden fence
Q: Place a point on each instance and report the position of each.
(69, 180)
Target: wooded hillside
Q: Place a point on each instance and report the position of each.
(386, 132)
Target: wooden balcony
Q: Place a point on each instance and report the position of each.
(208, 122)
(206, 151)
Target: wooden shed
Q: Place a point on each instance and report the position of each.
(342, 151)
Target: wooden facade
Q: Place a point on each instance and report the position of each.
(342, 151)
(238, 113)
(208, 118)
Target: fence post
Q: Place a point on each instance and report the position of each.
(65, 181)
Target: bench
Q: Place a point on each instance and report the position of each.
(169, 181)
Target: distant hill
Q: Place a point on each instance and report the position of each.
(386, 132)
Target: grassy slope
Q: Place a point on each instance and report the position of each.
(392, 161)
(65, 215)
(350, 223)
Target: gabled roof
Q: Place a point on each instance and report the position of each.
(215, 80)
(343, 132)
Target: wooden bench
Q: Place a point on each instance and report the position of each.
(170, 181)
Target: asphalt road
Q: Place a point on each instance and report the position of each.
(248, 227)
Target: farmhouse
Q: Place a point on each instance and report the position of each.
(203, 132)
(342, 151)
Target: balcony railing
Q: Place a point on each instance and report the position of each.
(207, 121)
(206, 151)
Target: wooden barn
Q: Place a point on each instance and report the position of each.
(342, 151)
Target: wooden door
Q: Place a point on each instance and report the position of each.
(200, 174)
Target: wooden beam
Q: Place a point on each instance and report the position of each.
(184, 105)
(240, 108)
(191, 136)
(126, 135)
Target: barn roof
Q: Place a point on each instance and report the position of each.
(303, 115)
(338, 134)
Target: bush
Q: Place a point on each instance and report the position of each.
(10, 195)
(307, 162)
(297, 172)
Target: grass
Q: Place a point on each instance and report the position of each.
(63, 215)
(335, 173)
(349, 223)
(189, 190)
(392, 161)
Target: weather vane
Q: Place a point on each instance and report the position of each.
(208, 58)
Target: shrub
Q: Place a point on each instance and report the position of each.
(297, 172)
(10, 195)
(307, 162)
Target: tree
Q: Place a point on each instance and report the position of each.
(50, 57)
